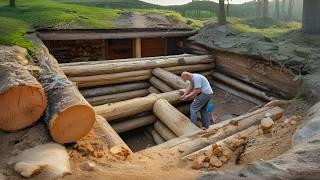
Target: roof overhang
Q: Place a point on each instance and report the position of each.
(112, 34)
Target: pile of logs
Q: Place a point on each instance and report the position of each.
(109, 81)
(230, 134)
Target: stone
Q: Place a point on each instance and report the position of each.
(303, 52)
(214, 161)
(266, 123)
(223, 159)
(198, 162)
(181, 149)
(88, 166)
(293, 122)
(205, 165)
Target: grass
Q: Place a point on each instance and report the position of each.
(276, 32)
(29, 15)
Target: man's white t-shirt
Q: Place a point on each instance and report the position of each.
(199, 81)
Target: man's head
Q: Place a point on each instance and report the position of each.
(186, 76)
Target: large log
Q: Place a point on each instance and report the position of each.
(152, 89)
(106, 79)
(68, 116)
(190, 68)
(133, 66)
(242, 86)
(110, 98)
(134, 106)
(100, 91)
(169, 78)
(164, 131)
(141, 120)
(263, 74)
(157, 83)
(171, 117)
(200, 139)
(122, 60)
(156, 137)
(238, 93)
(130, 124)
(107, 134)
(22, 98)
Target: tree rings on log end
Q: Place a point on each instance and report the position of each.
(21, 106)
(72, 124)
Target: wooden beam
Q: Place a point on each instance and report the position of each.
(137, 48)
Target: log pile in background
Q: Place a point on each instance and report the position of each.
(22, 98)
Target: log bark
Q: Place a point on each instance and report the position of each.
(200, 139)
(269, 77)
(107, 134)
(190, 68)
(238, 93)
(130, 124)
(107, 79)
(122, 60)
(100, 91)
(133, 66)
(156, 137)
(157, 83)
(171, 117)
(152, 89)
(111, 98)
(169, 78)
(22, 98)
(164, 131)
(242, 86)
(134, 106)
(68, 116)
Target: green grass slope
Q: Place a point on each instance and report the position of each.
(28, 15)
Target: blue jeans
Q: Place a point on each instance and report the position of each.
(200, 104)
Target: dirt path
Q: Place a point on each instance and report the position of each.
(137, 20)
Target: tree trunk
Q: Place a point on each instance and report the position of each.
(107, 79)
(123, 60)
(169, 78)
(242, 86)
(133, 66)
(164, 131)
(111, 98)
(277, 4)
(157, 83)
(173, 119)
(134, 106)
(12, 3)
(134, 123)
(22, 98)
(152, 89)
(198, 140)
(190, 68)
(265, 10)
(112, 89)
(311, 14)
(259, 8)
(107, 134)
(283, 7)
(290, 8)
(222, 14)
(156, 137)
(69, 116)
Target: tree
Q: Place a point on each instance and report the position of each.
(12, 3)
(222, 14)
(259, 8)
(265, 10)
(311, 14)
(290, 8)
(283, 7)
(277, 2)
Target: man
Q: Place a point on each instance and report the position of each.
(200, 90)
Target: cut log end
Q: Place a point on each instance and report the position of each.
(21, 106)
(72, 124)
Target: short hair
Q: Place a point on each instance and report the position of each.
(185, 73)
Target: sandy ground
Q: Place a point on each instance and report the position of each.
(138, 20)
